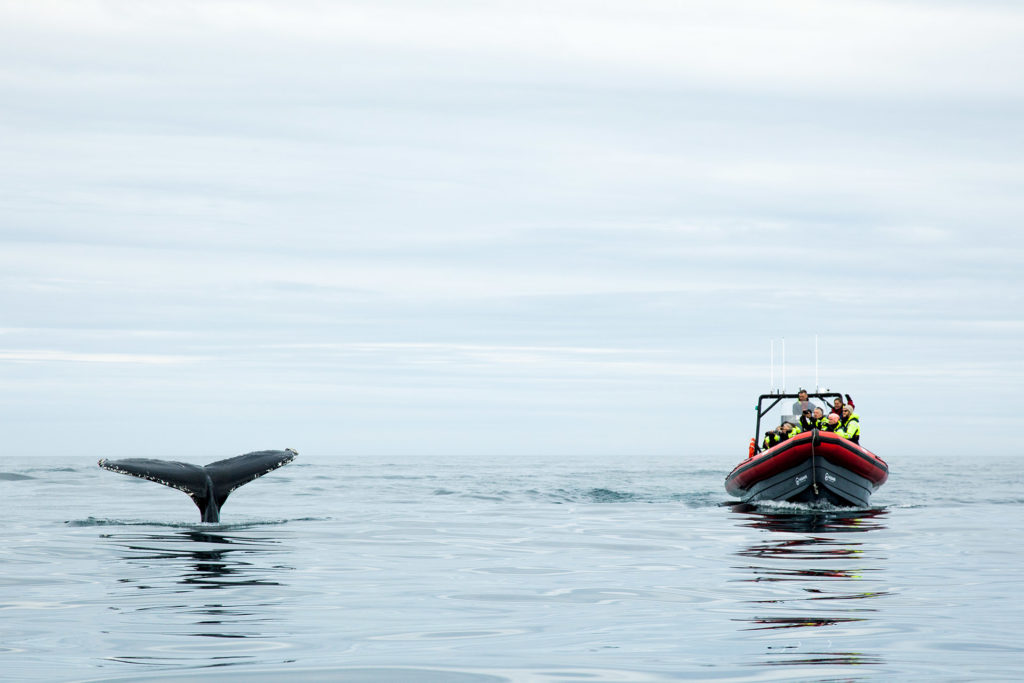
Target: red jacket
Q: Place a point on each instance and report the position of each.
(839, 411)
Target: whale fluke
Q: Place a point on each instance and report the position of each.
(209, 486)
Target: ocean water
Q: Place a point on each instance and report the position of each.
(510, 569)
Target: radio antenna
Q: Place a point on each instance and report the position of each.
(771, 373)
(816, 389)
(783, 365)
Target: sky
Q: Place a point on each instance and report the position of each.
(395, 228)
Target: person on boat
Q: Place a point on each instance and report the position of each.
(812, 419)
(849, 425)
(772, 437)
(779, 434)
(830, 424)
(802, 403)
(837, 405)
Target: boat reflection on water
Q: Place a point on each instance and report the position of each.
(814, 582)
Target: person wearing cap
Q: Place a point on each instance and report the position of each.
(849, 425)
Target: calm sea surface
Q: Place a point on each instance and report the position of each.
(510, 569)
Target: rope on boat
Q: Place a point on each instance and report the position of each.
(814, 473)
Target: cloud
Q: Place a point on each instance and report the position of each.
(60, 356)
(874, 47)
(553, 219)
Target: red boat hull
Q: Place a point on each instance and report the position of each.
(812, 467)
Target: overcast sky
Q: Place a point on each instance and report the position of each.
(457, 227)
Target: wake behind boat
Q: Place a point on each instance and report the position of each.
(815, 466)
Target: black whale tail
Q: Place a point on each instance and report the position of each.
(209, 486)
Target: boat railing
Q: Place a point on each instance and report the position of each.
(776, 398)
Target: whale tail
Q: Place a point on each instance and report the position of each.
(209, 486)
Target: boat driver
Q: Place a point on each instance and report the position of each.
(802, 403)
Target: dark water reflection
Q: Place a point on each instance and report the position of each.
(201, 559)
(816, 577)
(195, 583)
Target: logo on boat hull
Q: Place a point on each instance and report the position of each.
(800, 480)
(830, 478)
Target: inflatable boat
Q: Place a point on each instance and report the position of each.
(814, 467)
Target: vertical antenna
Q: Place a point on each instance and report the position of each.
(771, 374)
(816, 390)
(783, 365)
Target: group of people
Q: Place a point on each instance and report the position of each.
(841, 420)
